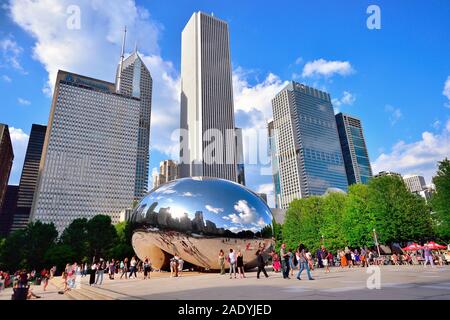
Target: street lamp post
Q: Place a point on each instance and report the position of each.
(376, 242)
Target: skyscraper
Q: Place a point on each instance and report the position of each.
(8, 209)
(308, 153)
(240, 156)
(273, 149)
(207, 111)
(6, 160)
(134, 79)
(88, 164)
(168, 171)
(354, 150)
(415, 183)
(28, 179)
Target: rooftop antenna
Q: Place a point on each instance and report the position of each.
(135, 47)
(119, 76)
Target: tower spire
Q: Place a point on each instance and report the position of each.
(135, 47)
(122, 54)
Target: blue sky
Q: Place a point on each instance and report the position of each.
(396, 79)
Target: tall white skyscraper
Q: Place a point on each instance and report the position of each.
(134, 79)
(88, 163)
(207, 111)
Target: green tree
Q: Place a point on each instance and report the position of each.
(440, 200)
(59, 255)
(101, 236)
(398, 214)
(75, 237)
(39, 238)
(332, 212)
(358, 220)
(302, 223)
(11, 254)
(122, 247)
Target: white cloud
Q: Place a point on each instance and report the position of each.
(11, 52)
(446, 91)
(100, 37)
(347, 99)
(437, 124)
(212, 209)
(258, 97)
(97, 42)
(419, 157)
(19, 141)
(6, 78)
(299, 60)
(395, 114)
(266, 188)
(23, 102)
(322, 67)
(246, 214)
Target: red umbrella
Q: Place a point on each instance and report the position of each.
(413, 247)
(434, 246)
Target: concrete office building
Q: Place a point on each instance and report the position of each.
(354, 149)
(308, 152)
(207, 100)
(168, 171)
(414, 183)
(88, 164)
(6, 160)
(28, 179)
(134, 79)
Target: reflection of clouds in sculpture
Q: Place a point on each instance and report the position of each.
(212, 209)
(246, 215)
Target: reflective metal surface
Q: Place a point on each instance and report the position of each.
(196, 217)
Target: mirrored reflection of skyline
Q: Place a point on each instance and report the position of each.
(205, 206)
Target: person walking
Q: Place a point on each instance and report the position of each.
(45, 274)
(174, 266)
(303, 262)
(124, 269)
(92, 273)
(291, 262)
(147, 268)
(232, 262)
(284, 256)
(112, 269)
(428, 256)
(222, 262)
(133, 264)
(261, 264)
(240, 264)
(100, 271)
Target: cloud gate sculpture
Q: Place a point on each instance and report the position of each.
(196, 217)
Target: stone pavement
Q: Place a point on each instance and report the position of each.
(397, 282)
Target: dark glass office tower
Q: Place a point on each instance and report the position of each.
(354, 150)
(28, 179)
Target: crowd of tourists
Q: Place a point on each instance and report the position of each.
(289, 262)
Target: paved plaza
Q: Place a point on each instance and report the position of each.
(397, 282)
